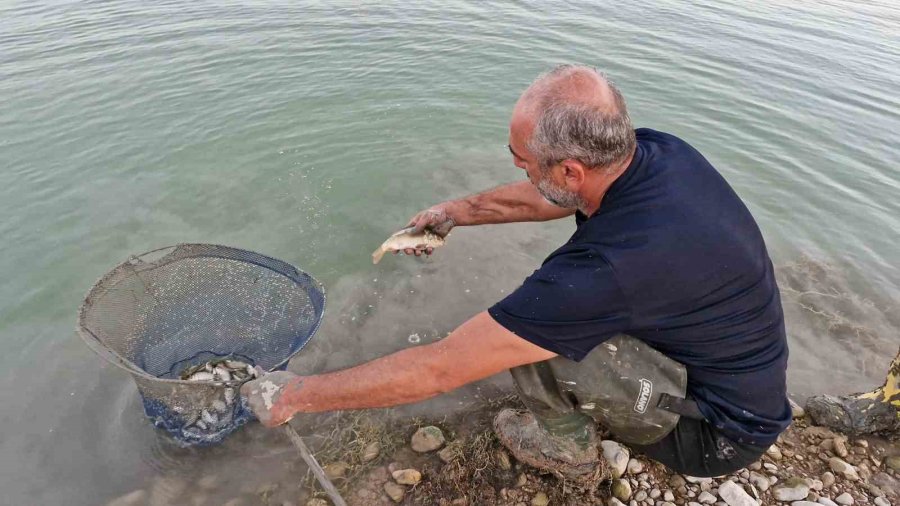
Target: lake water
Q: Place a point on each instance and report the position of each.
(310, 131)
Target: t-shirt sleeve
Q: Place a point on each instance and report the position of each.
(568, 306)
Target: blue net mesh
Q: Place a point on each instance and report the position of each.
(163, 312)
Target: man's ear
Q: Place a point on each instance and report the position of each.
(574, 173)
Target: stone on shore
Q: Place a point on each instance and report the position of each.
(336, 470)
(394, 491)
(735, 495)
(706, 498)
(616, 456)
(792, 489)
(317, 501)
(827, 479)
(407, 476)
(893, 462)
(540, 499)
(826, 501)
(427, 439)
(621, 489)
(844, 499)
(371, 451)
(759, 481)
(634, 467)
(842, 468)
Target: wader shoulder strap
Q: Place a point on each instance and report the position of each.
(684, 407)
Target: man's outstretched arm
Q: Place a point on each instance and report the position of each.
(477, 349)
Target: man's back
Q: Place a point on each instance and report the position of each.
(674, 258)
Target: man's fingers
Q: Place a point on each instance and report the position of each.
(429, 250)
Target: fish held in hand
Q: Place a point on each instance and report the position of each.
(406, 239)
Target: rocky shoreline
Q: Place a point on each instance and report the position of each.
(460, 463)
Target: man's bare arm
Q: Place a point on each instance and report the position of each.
(477, 349)
(514, 202)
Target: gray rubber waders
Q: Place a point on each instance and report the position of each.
(619, 384)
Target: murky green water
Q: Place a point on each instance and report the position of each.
(309, 131)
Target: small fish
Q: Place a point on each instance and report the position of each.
(222, 373)
(405, 239)
(202, 376)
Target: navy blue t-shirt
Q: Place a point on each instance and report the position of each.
(674, 258)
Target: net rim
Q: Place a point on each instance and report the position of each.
(96, 345)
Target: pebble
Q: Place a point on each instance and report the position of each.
(407, 476)
(634, 466)
(449, 453)
(770, 466)
(614, 502)
(881, 501)
(804, 503)
(797, 411)
(826, 501)
(668, 496)
(706, 498)
(827, 478)
(640, 496)
(521, 480)
(839, 446)
(842, 468)
(616, 456)
(654, 493)
(371, 451)
(775, 452)
(735, 495)
(336, 470)
(793, 489)
(130, 499)
(540, 499)
(427, 439)
(759, 481)
(503, 461)
(394, 491)
(844, 499)
(316, 501)
(621, 489)
(893, 462)
(815, 484)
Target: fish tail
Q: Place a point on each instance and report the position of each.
(377, 254)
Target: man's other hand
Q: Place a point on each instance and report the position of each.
(266, 397)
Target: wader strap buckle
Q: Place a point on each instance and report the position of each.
(684, 407)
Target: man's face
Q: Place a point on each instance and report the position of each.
(520, 128)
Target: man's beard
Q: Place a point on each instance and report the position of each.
(559, 196)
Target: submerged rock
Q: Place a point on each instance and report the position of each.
(427, 439)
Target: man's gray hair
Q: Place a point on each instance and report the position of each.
(568, 128)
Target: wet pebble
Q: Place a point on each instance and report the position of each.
(540, 499)
(621, 489)
(407, 476)
(735, 495)
(394, 491)
(616, 456)
(427, 439)
(371, 451)
(843, 468)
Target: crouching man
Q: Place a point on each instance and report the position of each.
(660, 317)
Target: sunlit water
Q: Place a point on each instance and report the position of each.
(310, 132)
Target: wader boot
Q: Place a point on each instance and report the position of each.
(872, 412)
(632, 389)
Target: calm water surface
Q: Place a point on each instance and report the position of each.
(309, 131)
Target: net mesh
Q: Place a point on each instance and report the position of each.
(160, 313)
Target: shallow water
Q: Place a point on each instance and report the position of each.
(309, 132)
